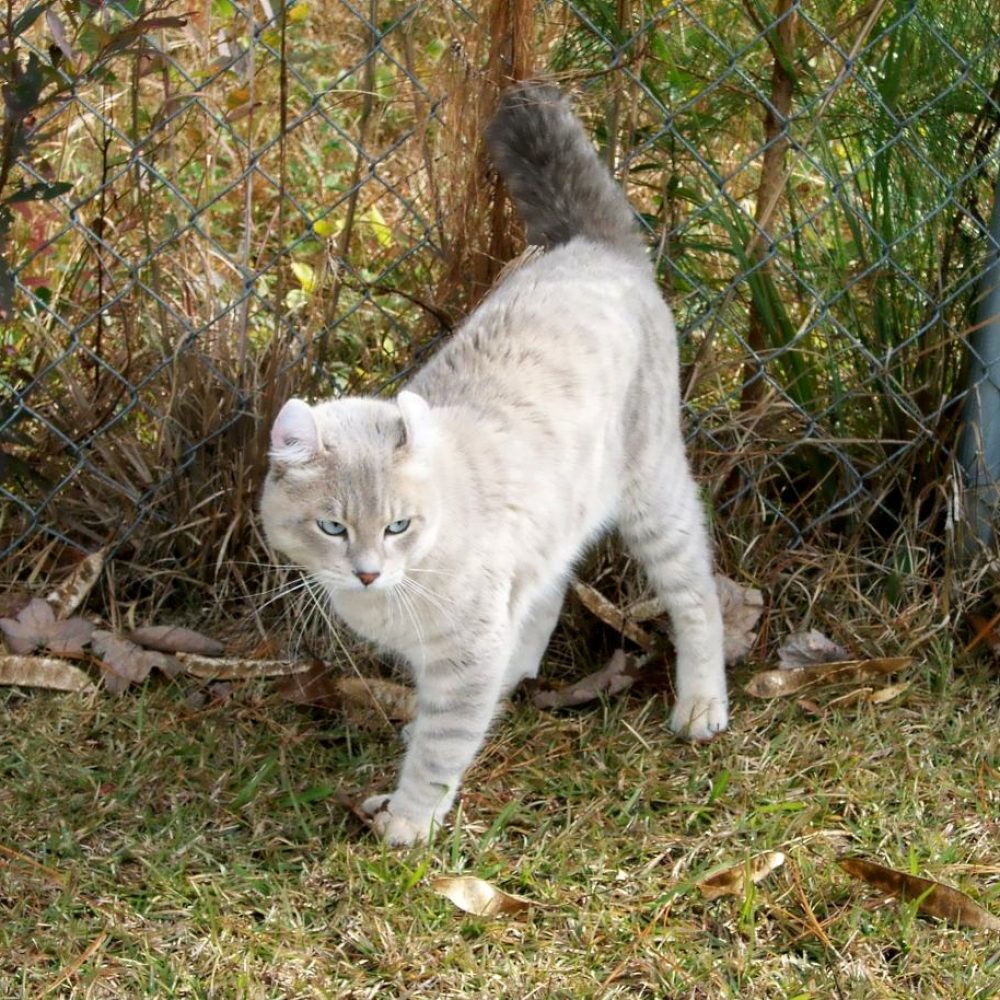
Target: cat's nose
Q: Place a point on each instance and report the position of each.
(366, 578)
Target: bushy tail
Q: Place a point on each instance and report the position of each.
(559, 185)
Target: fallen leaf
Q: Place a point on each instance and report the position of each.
(617, 675)
(364, 699)
(12, 602)
(858, 696)
(396, 702)
(174, 639)
(886, 694)
(73, 591)
(781, 683)
(474, 895)
(804, 649)
(36, 626)
(932, 898)
(598, 604)
(741, 610)
(125, 663)
(732, 881)
(353, 805)
(986, 631)
(316, 686)
(43, 672)
(238, 668)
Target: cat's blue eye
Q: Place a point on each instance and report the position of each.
(398, 527)
(332, 528)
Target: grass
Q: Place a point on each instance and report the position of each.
(150, 850)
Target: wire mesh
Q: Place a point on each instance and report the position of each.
(209, 211)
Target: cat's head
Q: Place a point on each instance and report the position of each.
(351, 494)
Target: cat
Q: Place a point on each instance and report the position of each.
(445, 525)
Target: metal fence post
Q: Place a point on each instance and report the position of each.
(979, 446)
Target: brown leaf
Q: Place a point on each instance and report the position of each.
(238, 668)
(932, 898)
(315, 686)
(483, 899)
(174, 639)
(12, 602)
(43, 672)
(598, 604)
(36, 626)
(617, 675)
(804, 649)
(741, 610)
(986, 631)
(73, 591)
(781, 683)
(364, 699)
(396, 702)
(732, 881)
(125, 663)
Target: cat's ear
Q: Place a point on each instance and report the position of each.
(417, 420)
(294, 436)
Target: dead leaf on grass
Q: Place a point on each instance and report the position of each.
(362, 698)
(741, 610)
(617, 675)
(175, 639)
(73, 591)
(986, 632)
(932, 898)
(315, 686)
(43, 672)
(36, 627)
(864, 695)
(238, 668)
(396, 702)
(805, 649)
(481, 898)
(782, 683)
(125, 663)
(596, 603)
(732, 881)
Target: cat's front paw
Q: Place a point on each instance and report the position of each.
(396, 829)
(699, 717)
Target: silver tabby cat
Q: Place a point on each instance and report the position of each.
(444, 525)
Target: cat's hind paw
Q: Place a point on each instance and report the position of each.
(396, 830)
(699, 718)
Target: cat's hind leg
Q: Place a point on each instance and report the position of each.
(533, 633)
(663, 526)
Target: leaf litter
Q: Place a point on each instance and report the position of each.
(37, 627)
(933, 899)
(733, 881)
(616, 676)
(479, 897)
(784, 683)
(43, 672)
(806, 649)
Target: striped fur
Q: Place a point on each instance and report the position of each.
(551, 416)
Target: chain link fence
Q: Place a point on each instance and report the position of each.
(204, 212)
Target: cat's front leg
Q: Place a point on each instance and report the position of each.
(456, 701)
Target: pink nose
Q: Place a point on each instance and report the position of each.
(366, 578)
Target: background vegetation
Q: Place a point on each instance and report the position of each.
(204, 210)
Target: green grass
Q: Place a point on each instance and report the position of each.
(150, 850)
